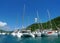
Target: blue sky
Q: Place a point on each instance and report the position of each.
(11, 11)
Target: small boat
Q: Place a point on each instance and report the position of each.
(3, 33)
(37, 34)
(25, 33)
(14, 34)
(50, 33)
(19, 34)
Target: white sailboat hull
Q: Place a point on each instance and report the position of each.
(14, 34)
(19, 35)
(51, 33)
(38, 34)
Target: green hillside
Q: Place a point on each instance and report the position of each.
(47, 25)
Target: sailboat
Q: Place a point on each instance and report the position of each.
(24, 32)
(14, 33)
(37, 33)
(50, 32)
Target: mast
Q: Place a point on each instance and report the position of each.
(49, 19)
(38, 21)
(55, 25)
(23, 16)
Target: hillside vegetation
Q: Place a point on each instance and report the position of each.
(54, 24)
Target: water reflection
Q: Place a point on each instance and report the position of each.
(11, 39)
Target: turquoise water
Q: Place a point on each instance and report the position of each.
(11, 39)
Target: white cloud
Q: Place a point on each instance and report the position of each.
(2, 24)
